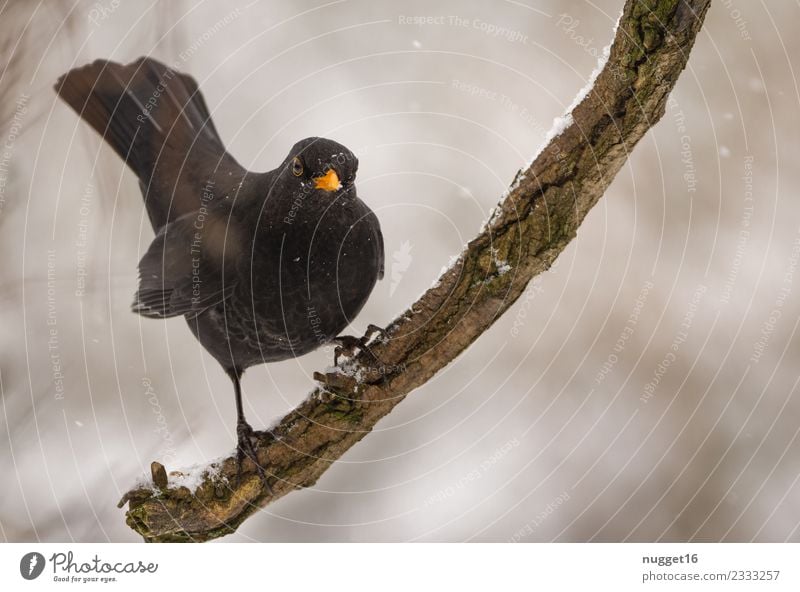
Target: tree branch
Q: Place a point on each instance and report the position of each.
(532, 224)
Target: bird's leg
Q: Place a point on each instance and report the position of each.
(347, 344)
(244, 434)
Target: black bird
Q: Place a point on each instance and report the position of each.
(263, 266)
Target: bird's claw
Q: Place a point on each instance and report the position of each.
(374, 329)
(245, 435)
(347, 344)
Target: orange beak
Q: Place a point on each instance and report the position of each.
(328, 182)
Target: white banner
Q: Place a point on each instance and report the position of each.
(388, 567)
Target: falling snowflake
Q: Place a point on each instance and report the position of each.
(401, 261)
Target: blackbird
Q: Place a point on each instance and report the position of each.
(263, 266)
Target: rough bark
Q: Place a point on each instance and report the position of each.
(531, 225)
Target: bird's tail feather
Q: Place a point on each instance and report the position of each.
(142, 109)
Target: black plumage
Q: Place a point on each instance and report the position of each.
(263, 266)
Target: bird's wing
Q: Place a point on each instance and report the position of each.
(190, 265)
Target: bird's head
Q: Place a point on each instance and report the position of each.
(321, 164)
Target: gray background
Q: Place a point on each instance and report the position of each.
(519, 439)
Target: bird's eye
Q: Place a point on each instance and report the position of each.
(297, 167)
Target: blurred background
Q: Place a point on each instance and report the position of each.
(644, 389)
